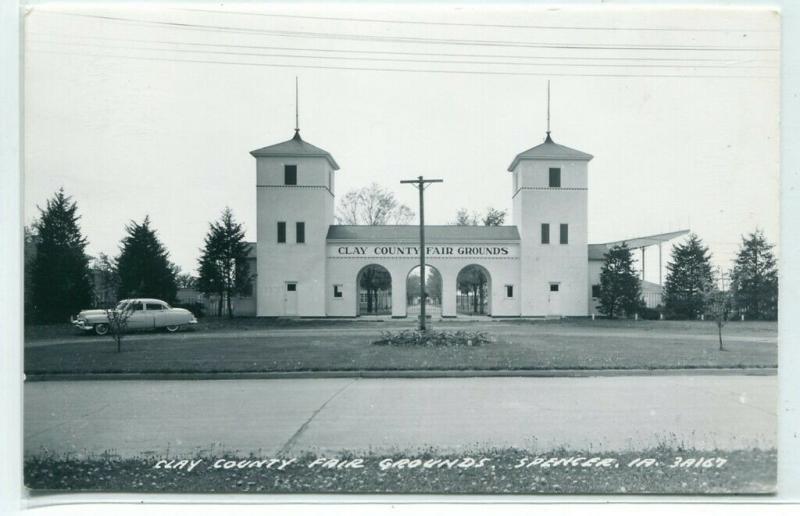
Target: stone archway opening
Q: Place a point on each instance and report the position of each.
(473, 291)
(433, 287)
(374, 291)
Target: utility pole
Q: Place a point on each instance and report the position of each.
(420, 183)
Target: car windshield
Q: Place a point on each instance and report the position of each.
(122, 305)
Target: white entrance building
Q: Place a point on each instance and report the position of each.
(308, 266)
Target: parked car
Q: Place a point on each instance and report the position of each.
(142, 314)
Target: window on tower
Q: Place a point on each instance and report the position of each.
(545, 233)
(564, 237)
(301, 232)
(555, 178)
(281, 232)
(290, 174)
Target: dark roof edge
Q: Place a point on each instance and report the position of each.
(323, 154)
(519, 158)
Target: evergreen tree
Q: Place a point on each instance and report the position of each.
(755, 278)
(223, 268)
(60, 282)
(689, 277)
(143, 266)
(620, 289)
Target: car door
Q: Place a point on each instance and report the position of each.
(158, 313)
(138, 319)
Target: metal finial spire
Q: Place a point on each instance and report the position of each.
(296, 106)
(548, 108)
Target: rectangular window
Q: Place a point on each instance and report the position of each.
(509, 291)
(545, 233)
(301, 232)
(564, 239)
(337, 291)
(554, 287)
(291, 287)
(153, 306)
(290, 174)
(281, 232)
(595, 290)
(555, 178)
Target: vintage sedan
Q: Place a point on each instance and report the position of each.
(142, 314)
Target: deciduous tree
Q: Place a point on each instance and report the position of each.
(106, 281)
(466, 218)
(719, 304)
(472, 280)
(372, 205)
(494, 217)
(185, 280)
(372, 280)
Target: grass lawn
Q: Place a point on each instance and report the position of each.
(251, 345)
(673, 471)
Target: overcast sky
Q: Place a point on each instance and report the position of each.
(154, 111)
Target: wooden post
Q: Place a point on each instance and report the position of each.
(420, 183)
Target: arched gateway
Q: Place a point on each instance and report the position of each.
(374, 291)
(433, 290)
(474, 291)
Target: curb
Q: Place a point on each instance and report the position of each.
(377, 374)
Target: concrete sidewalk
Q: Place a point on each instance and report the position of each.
(265, 417)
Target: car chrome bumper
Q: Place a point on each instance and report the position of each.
(193, 321)
(81, 325)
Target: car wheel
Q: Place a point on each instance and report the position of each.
(172, 328)
(101, 329)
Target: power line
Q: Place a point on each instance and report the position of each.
(426, 61)
(465, 24)
(415, 40)
(411, 70)
(390, 52)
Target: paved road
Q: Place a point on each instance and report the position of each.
(136, 418)
(497, 328)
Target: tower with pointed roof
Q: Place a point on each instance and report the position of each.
(295, 207)
(550, 194)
